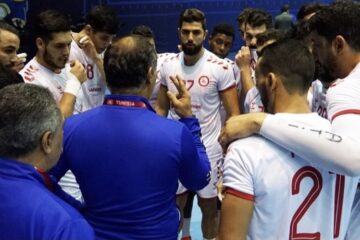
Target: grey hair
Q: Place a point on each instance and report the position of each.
(27, 111)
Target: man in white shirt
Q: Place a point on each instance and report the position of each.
(266, 183)
(338, 54)
(257, 22)
(50, 67)
(209, 80)
(101, 26)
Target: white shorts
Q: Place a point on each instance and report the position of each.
(210, 191)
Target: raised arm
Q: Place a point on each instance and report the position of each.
(337, 151)
(72, 87)
(195, 166)
(230, 101)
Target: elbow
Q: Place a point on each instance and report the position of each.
(200, 182)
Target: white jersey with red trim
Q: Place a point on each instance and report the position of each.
(236, 72)
(93, 89)
(35, 73)
(252, 101)
(317, 101)
(160, 59)
(204, 80)
(293, 199)
(343, 95)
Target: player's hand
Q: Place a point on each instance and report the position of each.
(78, 70)
(243, 58)
(87, 45)
(181, 102)
(240, 126)
(19, 62)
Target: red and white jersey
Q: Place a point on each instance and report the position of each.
(343, 96)
(35, 73)
(236, 72)
(93, 89)
(204, 80)
(160, 59)
(317, 98)
(293, 199)
(252, 102)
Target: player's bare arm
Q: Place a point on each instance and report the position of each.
(243, 59)
(85, 43)
(241, 126)
(163, 103)
(235, 218)
(230, 101)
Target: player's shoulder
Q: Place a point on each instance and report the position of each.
(31, 71)
(168, 59)
(250, 146)
(216, 63)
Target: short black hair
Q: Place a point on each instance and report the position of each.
(192, 15)
(143, 30)
(49, 22)
(244, 15)
(292, 60)
(258, 17)
(309, 8)
(7, 27)
(300, 31)
(339, 18)
(224, 28)
(269, 34)
(127, 62)
(103, 19)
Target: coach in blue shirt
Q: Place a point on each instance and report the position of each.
(30, 144)
(128, 160)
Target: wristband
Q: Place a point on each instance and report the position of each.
(72, 86)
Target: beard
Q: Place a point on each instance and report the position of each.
(191, 49)
(323, 74)
(51, 63)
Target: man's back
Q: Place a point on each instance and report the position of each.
(284, 21)
(127, 161)
(292, 194)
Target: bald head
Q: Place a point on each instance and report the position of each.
(127, 62)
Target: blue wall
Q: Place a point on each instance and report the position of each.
(162, 15)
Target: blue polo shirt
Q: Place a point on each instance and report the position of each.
(28, 210)
(127, 161)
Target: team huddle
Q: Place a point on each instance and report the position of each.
(101, 137)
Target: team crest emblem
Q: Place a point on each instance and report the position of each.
(204, 81)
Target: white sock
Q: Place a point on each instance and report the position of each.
(186, 227)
